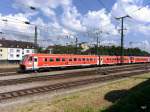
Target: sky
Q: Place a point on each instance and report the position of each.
(60, 21)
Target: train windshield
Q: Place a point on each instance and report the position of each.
(24, 58)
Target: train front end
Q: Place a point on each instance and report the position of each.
(26, 63)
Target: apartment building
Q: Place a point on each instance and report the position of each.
(13, 51)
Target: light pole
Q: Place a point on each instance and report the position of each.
(122, 36)
(35, 40)
(76, 46)
(35, 31)
(35, 35)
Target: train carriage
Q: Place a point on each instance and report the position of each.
(44, 61)
(39, 61)
(141, 59)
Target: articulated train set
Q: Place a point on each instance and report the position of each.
(46, 61)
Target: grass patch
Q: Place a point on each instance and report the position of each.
(124, 96)
(138, 100)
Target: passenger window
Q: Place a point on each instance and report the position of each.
(87, 59)
(70, 59)
(51, 59)
(75, 59)
(45, 59)
(63, 59)
(91, 59)
(79, 59)
(57, 59)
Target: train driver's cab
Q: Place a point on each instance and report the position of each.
(29, 62)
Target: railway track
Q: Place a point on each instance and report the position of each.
(13, 69)
(102, 71)
(66, 85)
(8, 72)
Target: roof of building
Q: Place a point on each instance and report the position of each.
(16, 44)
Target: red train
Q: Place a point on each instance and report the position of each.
(43, 61)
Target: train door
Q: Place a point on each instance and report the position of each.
(101, 60)
(35, 63)
(98, 60)
(132, 60)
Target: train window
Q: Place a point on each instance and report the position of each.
(51, 59)
(45, 59)
(30, 59)
(63, 59)
(57, 59)
(35, 59)
(70, 59)
(91, 59)
(87, 59)
(79, 59)
(83, 59)
(75, 59)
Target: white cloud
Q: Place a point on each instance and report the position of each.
(132, 8)
(72, 19)
(46, 6)
(14, 26)
(137, 25)
(99, 19)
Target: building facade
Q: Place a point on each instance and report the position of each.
(15, 54)
(13, 51)
(3, 54)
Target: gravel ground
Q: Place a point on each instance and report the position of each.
(8, 66)
(25, 75)
(40, 83)
(74, 99)
(44, 83)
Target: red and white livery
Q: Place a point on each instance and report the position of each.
(44, 61)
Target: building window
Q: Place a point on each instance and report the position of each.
(1, 50)
(11, 55)
(18, 50)
(17, 55)
(11, 50)
(28, 51)
(0, 55)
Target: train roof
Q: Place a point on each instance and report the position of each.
(39, 54)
